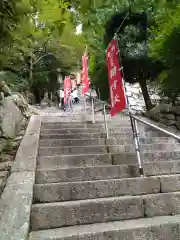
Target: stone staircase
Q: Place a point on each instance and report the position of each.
(89, 187)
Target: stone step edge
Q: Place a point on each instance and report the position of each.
(112, 179)
(117, 154)
(83, 232)
(87, 128)
(74, 155)
(111, 138)
(100, 200)
(100, 166)
(164, 184)
(113, 145)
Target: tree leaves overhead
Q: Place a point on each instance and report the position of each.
(165, 47)
(28, 27)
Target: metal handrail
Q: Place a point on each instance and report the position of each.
(133, 120)
(175, 136)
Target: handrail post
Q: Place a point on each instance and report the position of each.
(85, 104)
(105, 121)
(137, 146)
(93, 113)
(133, 122)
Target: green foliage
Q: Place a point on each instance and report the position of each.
(137, 42)
(29, 31)
(15, 82)
(165, 47)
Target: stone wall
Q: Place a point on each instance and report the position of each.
(136, 99)
(14, 116)
(166, 114)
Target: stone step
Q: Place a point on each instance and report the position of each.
(146, 157)
(62, 119)
(51, 151)
(126, 157)
(111, 124)
(156, 228)
(161, 155)
(89, 129)
(145, 140)
(78, 131)
(100, 172)
(86, 173)
(144, 148)
(142, 134)
(114, 149)
(71, 142)
(69, 125)
(54, 126)
(61, 214)
(102, 134)
(71, 131)
(101, 141)
(68, 191)
(162, 168)
(73, 161)
(72, 136)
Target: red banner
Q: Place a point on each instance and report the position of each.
(85, 78)
(67, 88)
(118, 99)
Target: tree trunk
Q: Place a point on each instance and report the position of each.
(49, 99)
(36, 93)
(147, 100)
(30, 72)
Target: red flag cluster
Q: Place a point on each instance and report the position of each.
(67, 88)
(85, 78)
(118, 99)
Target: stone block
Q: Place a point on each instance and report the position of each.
(161, 168)
(170, 183)
(75, 131)
(72, 136)
(175, 110)
(45, 151)
(69, 142)
(124, 158)
(5, 165)
(86, 173)
(162, 204)
(119, 141)
(157, 228)
(54, 215)
(27, 153)
(4, 174)
(73, 161)
(172, 154)
(178, 118)
(130, 148)
(95, 189)
(11, 118)
(65, 125)
(34, 125)
(169, 116)
(167, 122)
(15, 206)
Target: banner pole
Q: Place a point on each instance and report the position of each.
(132, 120)
(85, 104)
